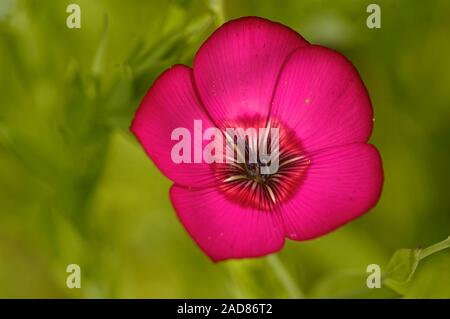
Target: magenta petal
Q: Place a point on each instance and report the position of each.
(171, 103)
(321, 96)
(236, 69)
(341, 184)
(222, 228)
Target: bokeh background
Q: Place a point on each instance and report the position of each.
(75, 186)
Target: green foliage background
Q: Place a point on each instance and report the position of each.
(75, 187)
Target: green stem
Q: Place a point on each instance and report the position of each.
(434, 248)
(285, 278)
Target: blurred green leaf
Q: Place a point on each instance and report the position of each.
(347, 284)
(402, 266)
(99, 56)
(404, 263)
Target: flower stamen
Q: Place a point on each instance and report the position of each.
(244, 181)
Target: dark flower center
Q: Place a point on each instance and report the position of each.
(246, 183)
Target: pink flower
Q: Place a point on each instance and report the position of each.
(252, 71)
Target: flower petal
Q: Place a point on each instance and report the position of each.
(224, 229)
(321, 96)
(341, 184)
(236, 69)
(169, 104)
